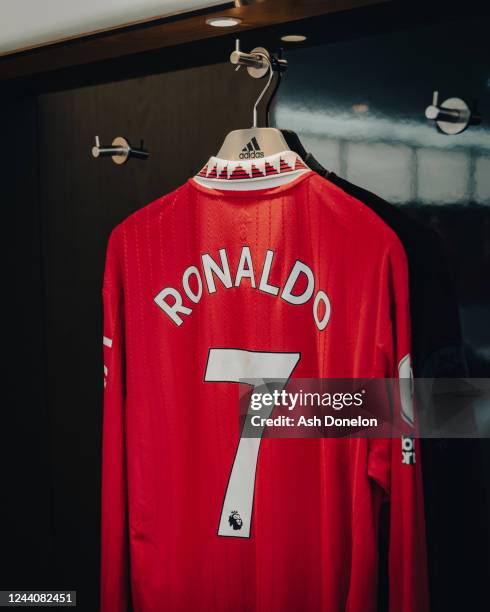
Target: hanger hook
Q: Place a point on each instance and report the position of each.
(271, 75)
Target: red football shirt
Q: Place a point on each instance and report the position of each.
(206, 286)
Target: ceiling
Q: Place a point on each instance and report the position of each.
(30, 23)
(98, 32)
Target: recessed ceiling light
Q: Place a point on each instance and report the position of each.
(223, 22)
(293, 38)
(360, 108)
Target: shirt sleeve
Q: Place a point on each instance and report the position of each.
(395, 463)
(114, 539)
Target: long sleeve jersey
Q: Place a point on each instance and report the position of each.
(207, 286)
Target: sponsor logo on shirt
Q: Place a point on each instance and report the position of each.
(408, 450)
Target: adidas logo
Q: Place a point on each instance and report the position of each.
(251, 150)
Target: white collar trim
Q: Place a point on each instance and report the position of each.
(248, 174)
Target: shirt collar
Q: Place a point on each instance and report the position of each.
(272, 170)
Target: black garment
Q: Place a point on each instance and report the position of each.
(454, 505)
(437, 345)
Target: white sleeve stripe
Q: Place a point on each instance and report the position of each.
(107, 341)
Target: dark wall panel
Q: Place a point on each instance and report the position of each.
(25, 432)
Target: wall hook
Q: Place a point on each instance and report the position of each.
(120, 150)
(453, 116)
(258, 62)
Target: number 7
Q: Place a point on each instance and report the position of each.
(237, 365)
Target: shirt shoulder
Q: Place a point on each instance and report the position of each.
(148, 216)
(356, 218)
